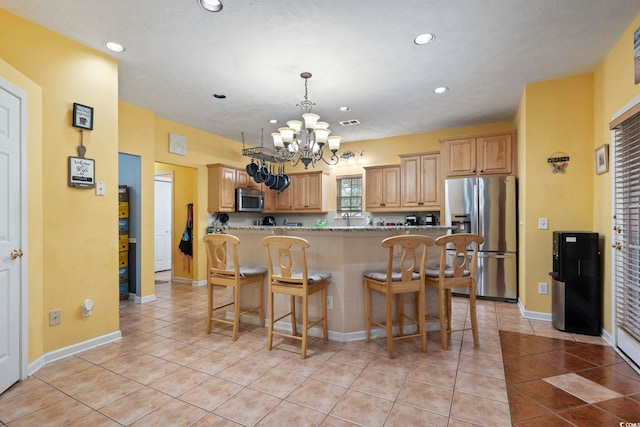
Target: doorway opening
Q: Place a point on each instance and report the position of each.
(163, 228)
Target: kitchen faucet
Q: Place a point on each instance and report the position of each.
(346, 215)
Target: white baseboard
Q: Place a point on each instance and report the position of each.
(142, 300)
(199, 283)
(534, 315)
(71, 350)
(181, 280)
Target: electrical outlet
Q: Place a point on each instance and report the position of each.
(543, 288)
(330, 302)
(55, 317)
(543, 223)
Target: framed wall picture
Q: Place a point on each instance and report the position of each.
(82, 116)
(177, 144)
(602, 159)
(81, 172)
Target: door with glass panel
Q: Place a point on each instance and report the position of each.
(626, 232)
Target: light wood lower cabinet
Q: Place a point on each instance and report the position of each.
(382, 188)
(420, 181)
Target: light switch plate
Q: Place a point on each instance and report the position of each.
(100, 188)
(543, 223)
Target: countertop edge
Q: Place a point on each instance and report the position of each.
(343, 228)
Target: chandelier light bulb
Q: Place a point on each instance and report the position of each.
(296, 125)
(287, 135)
(310, 120)
(277, 140)
(334, 143)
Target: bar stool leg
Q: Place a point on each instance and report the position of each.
(305, 325)
(367, 312)
(271, 317)
(443, 319)
(294, 325)
(236, 311)
(389, 324)
(209, 306)
(472, 312)
(325, 323)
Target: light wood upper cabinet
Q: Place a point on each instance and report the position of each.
(308, 190)
(382, 187)
(221, 188)
(245, 181)
(421, 180)
(270, 200)
(492, 154)
(306, 193)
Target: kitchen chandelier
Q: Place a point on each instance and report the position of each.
(304, 141)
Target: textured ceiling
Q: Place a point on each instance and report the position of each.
(361, 54)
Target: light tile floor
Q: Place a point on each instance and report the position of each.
(166, 371)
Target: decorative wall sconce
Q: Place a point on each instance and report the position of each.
(350, 156)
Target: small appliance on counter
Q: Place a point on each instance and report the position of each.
(430, 219)
(411, 220)
(268, 220)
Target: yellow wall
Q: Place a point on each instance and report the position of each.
(76, 234)
(136, 133)
(520, 122)
(614, 88)
(559, 119)
(34, 250)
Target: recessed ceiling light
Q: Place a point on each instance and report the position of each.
(441, 89)
(344, 108)
(211, 5)
(273, 121)
(116, 47)
(425, 38)
(219, 95)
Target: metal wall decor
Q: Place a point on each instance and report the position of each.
(558, 162)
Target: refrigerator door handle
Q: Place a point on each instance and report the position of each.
(491, 255)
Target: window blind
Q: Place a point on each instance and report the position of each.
(627, 225)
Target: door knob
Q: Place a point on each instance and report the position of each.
(16, 253)
(616, 245)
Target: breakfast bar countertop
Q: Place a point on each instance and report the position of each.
(338, 228)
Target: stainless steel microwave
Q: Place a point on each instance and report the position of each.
(249, 200)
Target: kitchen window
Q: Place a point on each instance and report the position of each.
(349, 195)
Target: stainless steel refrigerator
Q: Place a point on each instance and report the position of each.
(487, 206)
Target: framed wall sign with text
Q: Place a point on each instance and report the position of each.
(81, 172)
(82, 116)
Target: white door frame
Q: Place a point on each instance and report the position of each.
(619, 337)
(23, 304)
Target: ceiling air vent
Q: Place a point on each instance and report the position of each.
(349, 122)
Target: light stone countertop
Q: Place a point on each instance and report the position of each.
(337, 228)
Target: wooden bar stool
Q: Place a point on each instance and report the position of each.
(288, 275)
(460, 273)
(235, 276)
(407, 276)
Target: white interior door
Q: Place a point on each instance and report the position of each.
(163, 222)
(10, 238)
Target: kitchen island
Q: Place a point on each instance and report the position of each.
(346, 252)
